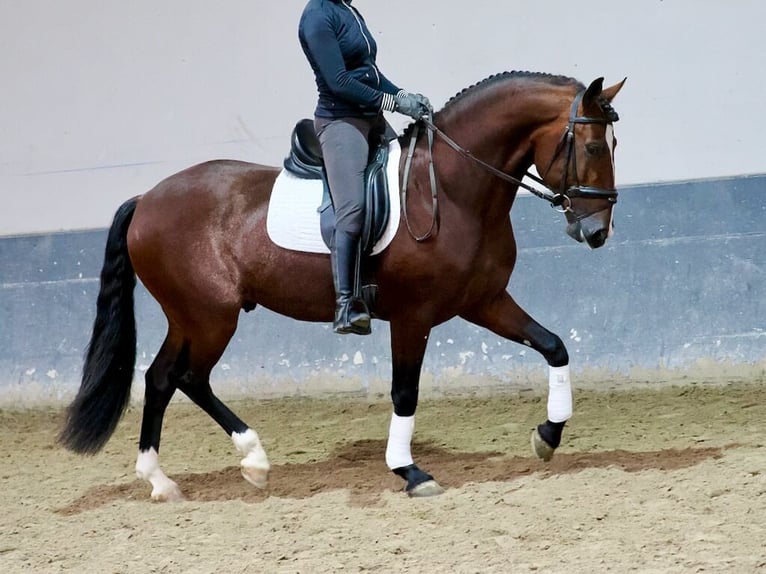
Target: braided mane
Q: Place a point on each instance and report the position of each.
(514, 75)
(553, 79)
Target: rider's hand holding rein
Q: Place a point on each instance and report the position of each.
(414, 105)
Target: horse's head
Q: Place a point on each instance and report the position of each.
(578, 165)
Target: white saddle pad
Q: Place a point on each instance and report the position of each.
(293, 220)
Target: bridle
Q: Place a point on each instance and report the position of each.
(560, 199)
(566, 144)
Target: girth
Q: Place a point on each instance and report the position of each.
(305, 161)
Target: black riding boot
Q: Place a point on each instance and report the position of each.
(351, 314)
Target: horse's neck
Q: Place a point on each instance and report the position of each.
(495, 127)
(498, 134)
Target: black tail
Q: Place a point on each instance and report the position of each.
(111, 354)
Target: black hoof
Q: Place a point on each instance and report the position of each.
(546, 438)
(419, 483)
(551, 432)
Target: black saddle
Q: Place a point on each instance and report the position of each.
(305, 161)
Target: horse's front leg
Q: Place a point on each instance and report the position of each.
(408, 345)
(503, 316)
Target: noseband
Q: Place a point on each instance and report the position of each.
(561, 199)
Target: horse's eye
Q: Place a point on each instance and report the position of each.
(595, 148)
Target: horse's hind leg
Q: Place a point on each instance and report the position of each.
(159, 390)
(206, 345)
(185, 364)
(503, 316)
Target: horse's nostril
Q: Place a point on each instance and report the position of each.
(598, 238)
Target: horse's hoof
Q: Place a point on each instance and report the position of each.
(427, 488)
(258, 477)
(169, 493)
(542, 449)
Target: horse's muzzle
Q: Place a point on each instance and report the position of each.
(592, 230)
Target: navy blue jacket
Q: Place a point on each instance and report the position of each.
(342, 54)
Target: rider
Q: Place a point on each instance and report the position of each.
(353, 94)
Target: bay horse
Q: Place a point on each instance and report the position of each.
(199, 244)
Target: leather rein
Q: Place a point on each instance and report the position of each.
(560, 199)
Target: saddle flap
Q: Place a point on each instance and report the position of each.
(377, 200)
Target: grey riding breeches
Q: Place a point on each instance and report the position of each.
(346, 148)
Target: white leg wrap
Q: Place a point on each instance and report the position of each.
(559, 394)
(249, 445)
(399, 439)
(148, 468)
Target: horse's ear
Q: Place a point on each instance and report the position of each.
(593, 90)
(610, 92)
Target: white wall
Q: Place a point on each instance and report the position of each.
(102, 99)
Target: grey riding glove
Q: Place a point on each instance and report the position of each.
(413, 105)
(425, 102)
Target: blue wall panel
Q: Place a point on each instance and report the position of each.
(682, 283)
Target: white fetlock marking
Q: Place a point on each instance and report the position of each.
(399, 438)
(559, 394)
(250, 446)
(148, 468)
